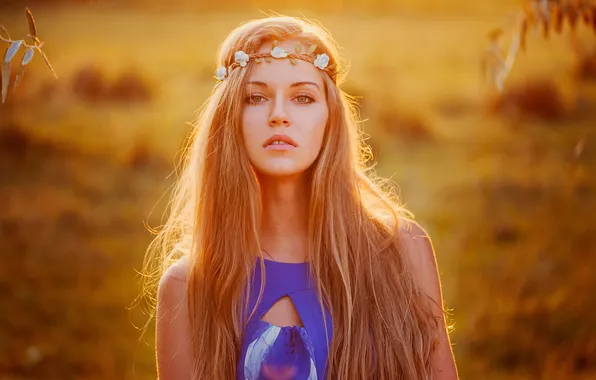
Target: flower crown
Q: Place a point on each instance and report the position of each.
(320, 61)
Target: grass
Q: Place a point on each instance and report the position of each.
(508, 201)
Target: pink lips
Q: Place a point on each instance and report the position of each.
(279, 142)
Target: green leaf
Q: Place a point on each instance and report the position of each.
(268, 59)
(5, 79)
(258, 60)
(298, 49)
(292, 61)
(312, 49)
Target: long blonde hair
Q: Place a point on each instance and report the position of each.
(354, 240)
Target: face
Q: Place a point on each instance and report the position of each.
(285, 114)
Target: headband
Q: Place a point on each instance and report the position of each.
(320, 61)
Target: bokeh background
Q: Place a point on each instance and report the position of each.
(504, 183)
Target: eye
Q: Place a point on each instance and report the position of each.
(306, 99)
(255, 98)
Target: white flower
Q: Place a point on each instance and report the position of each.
(278, 52)
(241, 57)
(321, 61)
(221, 73)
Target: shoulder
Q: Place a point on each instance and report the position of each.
(416, 242)
(418, 250)
(173, 282)
(177, 271)
(173, 345)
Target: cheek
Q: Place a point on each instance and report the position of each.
(315, 129)
(252, 129)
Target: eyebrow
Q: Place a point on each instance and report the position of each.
(295, 84)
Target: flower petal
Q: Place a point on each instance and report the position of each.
(278, 52)
(221, 73)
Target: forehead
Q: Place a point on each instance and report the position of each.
(281, 72)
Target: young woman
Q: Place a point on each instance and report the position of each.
(282, 258)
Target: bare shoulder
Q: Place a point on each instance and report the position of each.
(174, 354)
(171, 293)
(418, 249)
(177, 272)
(416, 241)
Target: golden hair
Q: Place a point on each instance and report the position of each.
(354, 232)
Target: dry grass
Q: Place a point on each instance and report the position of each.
(69, 271)
(91, 85)
(550, 17)
(536, 98)
(585, 68)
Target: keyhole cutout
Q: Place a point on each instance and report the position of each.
(283, 313)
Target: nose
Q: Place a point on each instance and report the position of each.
(278, 115)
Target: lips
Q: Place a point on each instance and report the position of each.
(275, 140)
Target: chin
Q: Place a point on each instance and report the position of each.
(281, 170)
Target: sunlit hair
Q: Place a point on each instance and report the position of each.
(354, 240)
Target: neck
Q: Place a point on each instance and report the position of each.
(284, 226)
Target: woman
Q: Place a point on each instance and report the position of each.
(282, 258)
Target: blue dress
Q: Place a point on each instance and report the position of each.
(284, 352)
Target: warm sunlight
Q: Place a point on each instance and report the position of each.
(481, 112)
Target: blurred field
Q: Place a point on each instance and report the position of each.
(505, 187)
